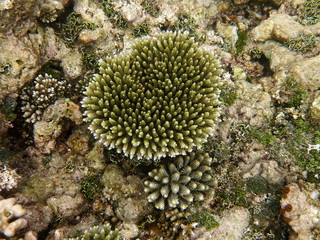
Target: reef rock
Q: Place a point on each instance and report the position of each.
(301, 210)
(126, 194)
(19, 62)
(46, 131)
(231, 226)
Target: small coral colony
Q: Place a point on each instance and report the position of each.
(159, 102)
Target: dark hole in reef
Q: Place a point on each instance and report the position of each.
(279, 229)
(23, 165)
(52, 68)
(66, 131)
(20, 62)
(63, 16)
(267, 72)
(163, 27)
(15, 139)
(42, 235)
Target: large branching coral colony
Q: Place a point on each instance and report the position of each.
(159, 100)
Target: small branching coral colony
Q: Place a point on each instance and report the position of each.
(180, 182)
(37, 97)
(159, 100)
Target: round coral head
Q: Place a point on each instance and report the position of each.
(159, 99)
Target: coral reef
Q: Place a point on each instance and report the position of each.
(18, 15)
(204, 218)
(37, 97)
(7, 114)
(157, 98)
(315, 107)
(282, 28)
(17, 54)
(91, 186)
(181, 181)
(53, 192)
(177, 225)
(160, 99)
(11, 219)
(128, 230)
(4, 125)
(116, 17)
(66, 206)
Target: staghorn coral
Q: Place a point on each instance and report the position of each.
(160, 99)
(100, 233)
(37, 97)
(181, 181)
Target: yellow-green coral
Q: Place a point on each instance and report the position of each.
(160, 99)
(100, 233)
(181, 181)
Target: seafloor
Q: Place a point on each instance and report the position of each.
(254, 167)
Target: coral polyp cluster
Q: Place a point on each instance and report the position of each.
(160, 99)
(181, 181)
(37, 97)
(100, 233)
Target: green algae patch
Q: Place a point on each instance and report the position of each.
(204, 218)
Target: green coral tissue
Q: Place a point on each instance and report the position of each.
(178, 183)
(159, 99)
(99, 233)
